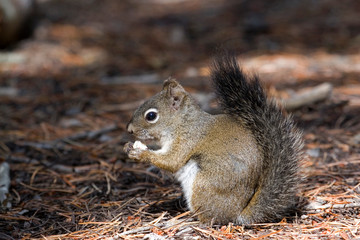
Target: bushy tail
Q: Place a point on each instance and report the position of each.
(243, 98)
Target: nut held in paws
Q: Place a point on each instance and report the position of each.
(139, 145)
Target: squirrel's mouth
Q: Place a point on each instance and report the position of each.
(143, 135)
(145, 140)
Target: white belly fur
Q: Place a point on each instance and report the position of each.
(186, 176)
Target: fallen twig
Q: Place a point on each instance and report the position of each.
(142, 79)
(88, 134)
(121, 107)
(56, 167)
(316, 94)
(316, 205)
(47, 189)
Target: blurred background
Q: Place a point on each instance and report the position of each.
(58, 47)
(72, 72)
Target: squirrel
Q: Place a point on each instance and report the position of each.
(241, 166)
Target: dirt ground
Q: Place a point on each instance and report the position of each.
(67, 92)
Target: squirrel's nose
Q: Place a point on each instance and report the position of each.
(130, 128)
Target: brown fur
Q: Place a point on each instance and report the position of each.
(241, 172)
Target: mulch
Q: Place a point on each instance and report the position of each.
(79, 77)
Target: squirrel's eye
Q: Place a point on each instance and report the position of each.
(151, 115)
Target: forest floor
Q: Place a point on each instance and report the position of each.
(69, 90)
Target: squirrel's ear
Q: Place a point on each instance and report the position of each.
(175, 92)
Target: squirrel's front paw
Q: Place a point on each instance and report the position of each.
(128, 146)
(133, 151)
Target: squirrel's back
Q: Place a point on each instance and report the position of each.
(243, 98)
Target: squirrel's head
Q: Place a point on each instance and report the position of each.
(162, 114)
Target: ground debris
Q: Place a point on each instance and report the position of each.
(67, 93)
